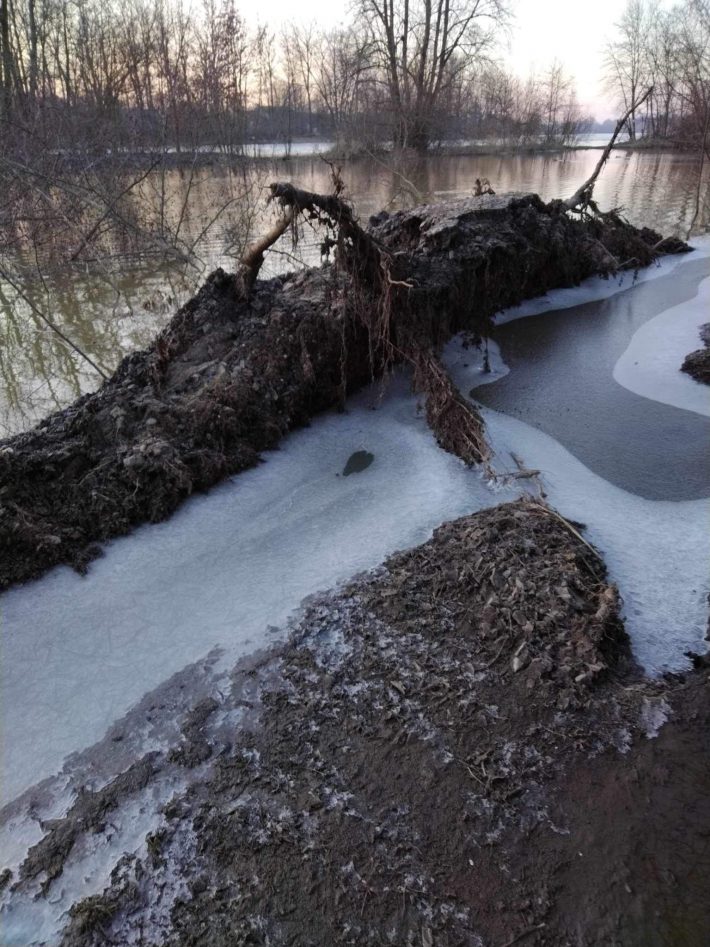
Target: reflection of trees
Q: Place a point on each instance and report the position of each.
(38, 371)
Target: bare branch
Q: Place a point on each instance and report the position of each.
(583, 195)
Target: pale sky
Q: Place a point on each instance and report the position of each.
(574, 32)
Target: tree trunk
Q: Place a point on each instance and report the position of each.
(6, 73)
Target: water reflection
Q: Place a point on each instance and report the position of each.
(110, 312)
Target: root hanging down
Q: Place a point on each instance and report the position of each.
(456, 423)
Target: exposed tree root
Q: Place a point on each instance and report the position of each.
(456, 423)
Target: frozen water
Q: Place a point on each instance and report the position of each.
(649, 366)
(466, 364)
(656, 551)
(79, 652)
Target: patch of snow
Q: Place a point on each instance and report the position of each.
(650, 366)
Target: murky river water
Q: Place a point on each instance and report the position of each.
(109, 313)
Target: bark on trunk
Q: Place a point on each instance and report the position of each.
(239, 367)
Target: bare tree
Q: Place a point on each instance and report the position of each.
(625, 60)
(417, 44)
(303, 40)
(344, 61)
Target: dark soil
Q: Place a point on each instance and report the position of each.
(454, 750)
(697, 364)
(232, 373)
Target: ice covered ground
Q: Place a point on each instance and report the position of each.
(78, 652)
(28, 918)
(649, 366)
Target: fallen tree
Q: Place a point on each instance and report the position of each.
(247, 360)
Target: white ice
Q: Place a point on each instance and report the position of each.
(79, 652)
(649, 366)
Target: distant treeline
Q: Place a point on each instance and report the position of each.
(160, 73)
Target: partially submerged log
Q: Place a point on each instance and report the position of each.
(582, 197)
(244, 362)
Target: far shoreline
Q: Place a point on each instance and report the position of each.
(205, 156)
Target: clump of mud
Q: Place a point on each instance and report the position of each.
(697, 364)
(455, 749)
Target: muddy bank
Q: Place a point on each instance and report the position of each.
(697, 364)
(456, 750)
(234, 371)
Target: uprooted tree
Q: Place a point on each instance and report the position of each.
(247, 360)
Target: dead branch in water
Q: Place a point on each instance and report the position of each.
(582, 197)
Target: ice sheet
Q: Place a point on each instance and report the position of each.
(78, 652)
(650, 365)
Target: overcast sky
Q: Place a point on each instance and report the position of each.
(571, 30)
